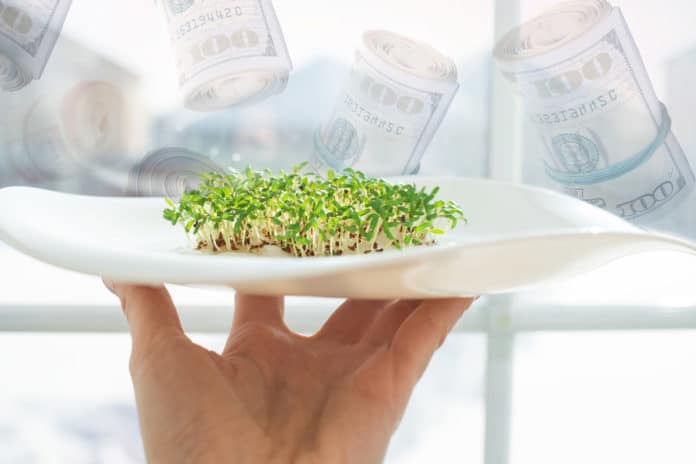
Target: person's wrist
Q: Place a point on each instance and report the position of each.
(337, 455)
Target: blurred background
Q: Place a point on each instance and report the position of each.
(598, 369)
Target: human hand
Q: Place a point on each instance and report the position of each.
(273, 396)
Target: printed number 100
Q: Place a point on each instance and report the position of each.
(219, 44)
(16, 19)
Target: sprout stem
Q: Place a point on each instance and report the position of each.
(306, 215)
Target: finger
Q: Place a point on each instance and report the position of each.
(350, 321)
(422, 333)
(388, 321)
(150, 313)
(253, 308)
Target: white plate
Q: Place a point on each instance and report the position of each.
(516, 237)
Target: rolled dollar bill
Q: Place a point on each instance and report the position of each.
(585, 88)
(397, 94)
(169, 172)
(227, 51)
(28, 31)
(59, 136)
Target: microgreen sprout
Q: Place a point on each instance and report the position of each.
(306, 215)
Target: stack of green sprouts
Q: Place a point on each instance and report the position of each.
(306, 215)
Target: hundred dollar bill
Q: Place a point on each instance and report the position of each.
(170, 172)
(586, 89)
(397, 94)
(227, 51)
(28, 31)
(58, 136)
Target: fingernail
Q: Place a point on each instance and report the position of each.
(109, 284)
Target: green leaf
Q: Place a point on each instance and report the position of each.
(292, 209)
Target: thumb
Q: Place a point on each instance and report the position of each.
(150, 312)
(423, 332)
